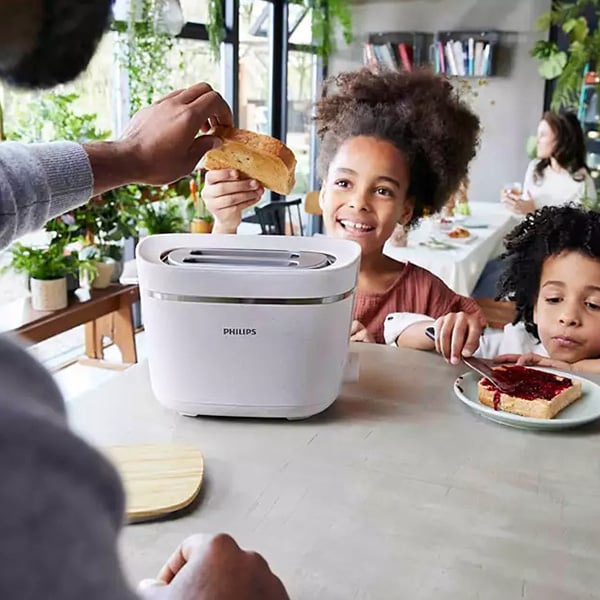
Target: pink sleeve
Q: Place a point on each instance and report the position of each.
(441, 300)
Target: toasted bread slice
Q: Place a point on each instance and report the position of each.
(539, 395)
(258, 156)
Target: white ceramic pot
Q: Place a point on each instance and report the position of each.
(49, 294)
(105, 271)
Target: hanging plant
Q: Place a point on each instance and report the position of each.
(215, 27)
(327, 16)
(143, 52)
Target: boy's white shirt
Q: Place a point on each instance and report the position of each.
(513, 339)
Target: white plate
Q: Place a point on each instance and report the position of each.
(464, 240)
(582, 411)
(437, 246)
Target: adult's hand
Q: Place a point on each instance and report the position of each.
(519, 205)
(213, 568)
(161, 143)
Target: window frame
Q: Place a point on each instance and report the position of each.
(279, 46)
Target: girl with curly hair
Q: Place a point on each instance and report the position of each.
(392, 146)
(553, 275)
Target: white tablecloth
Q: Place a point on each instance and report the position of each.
(461, 266)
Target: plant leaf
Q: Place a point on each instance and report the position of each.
(577, 28)
(544, 21)
(553, 66)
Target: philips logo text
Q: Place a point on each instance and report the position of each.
(236, 331)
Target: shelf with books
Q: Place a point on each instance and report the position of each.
(465, 53)
(401, 50)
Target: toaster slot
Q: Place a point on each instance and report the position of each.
(240, 257)
(238, 261)
(259, 254)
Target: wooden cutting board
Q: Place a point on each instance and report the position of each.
(158, 479)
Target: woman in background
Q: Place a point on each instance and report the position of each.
(559, 174)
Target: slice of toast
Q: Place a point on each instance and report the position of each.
(539, 395)
(258, 156)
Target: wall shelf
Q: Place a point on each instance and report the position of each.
(468, 54)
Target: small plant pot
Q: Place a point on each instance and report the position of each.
(49, 294)
(103, 278)
(201, 226)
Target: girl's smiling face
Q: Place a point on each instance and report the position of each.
(365, 193)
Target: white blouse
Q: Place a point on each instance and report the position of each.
(558, 187)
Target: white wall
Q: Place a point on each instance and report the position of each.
(509, 106)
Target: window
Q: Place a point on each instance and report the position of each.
(300, 97)
(191, 62)
(299, 25)
(95, 89)
(255, 65)
(195, 11)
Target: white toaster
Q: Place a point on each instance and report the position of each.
(247, 326)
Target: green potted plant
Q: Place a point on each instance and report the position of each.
(47, 269)
(161, 217)
(97, 267)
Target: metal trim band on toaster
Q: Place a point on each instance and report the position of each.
(228, 300)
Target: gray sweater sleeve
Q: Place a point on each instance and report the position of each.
(61, 503)
(39, 182)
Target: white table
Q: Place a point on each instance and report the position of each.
(460, 267)
(397, 492)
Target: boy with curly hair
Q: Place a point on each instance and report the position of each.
(392, 145)
(553, 275)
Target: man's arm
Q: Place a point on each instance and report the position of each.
(61, 503)
(41, 181)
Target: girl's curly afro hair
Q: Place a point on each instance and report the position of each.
(418, 112)
(544, 233)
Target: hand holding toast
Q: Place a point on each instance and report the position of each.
(213, 568)
(161, 143)
(227, 193)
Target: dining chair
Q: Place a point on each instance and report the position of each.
(275, 218)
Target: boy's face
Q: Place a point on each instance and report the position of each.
(567, 311)
(364, 195)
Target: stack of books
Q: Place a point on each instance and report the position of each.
(395, 56)
(466, 58)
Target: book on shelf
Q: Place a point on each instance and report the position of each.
(394, 56)
(463, 58)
